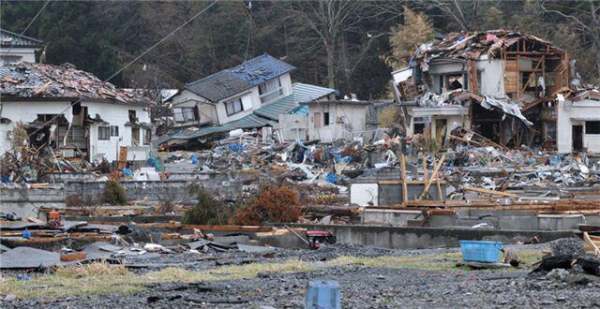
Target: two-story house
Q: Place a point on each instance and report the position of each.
(250, 95)
(499, 83)
(15, 48)
(73, 113)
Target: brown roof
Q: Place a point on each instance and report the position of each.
(470, 45)
(36, 80)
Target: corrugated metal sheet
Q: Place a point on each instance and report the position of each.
(301, 93)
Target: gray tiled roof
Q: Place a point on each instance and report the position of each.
(11, 39)
(234, 80)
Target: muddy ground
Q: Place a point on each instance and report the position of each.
(417, 281)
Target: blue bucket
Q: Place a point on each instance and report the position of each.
(480, 251)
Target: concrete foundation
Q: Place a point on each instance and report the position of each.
(421, 238)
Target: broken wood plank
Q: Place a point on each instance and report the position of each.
(492, 192)
(433, 174)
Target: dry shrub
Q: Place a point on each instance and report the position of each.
(208, 210)
(114, 194)
(273, 204)
(91, 270)
(73, 201)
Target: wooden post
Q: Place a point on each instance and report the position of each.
(430, 180)
(404, 184)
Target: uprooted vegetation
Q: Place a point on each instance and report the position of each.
(273, 204)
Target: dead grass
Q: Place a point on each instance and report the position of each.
(98, 279)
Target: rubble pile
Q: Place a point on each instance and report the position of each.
(46, 80)
(493, 169)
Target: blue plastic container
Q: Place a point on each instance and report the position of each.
(480, 251)
(323, 295)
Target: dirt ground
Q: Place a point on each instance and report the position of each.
(368, 277)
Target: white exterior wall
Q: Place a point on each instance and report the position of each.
(250, 102)
(293, 127)
(207, 110)
(27, 112)
(24, 54)
(492, 77)
(344, 119)
(286, 84)
(455, 117)
(115, 115)
(576, 113)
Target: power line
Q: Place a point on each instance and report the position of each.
(160, 41)
(128, 64)
(35, 17)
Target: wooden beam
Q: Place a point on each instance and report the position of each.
(492, 192)
(404, 184)
(433, 174)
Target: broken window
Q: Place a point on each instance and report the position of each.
(147, 136)
(184, 114)
(419, 128)
(419, 124)
(326, 118)
(135, 136)
(103, 133)
(592, 127)
(270, 90)
(233, 107)
(132, 116)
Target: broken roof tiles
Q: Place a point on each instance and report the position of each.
(232, 81)
(28, 80)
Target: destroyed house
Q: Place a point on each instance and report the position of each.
(499, 83)
(73, 112)
(248, 96)
(331, 120)
(15, 48)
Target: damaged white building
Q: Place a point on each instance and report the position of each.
(73, 112)
(501, 84)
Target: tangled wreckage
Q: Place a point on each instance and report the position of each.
(513, 88)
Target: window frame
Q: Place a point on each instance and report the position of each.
(103, 133)
(232, 103)
(592, 127)
(266, 96)
(326, 119)
(114, 131)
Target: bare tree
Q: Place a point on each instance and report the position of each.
(329, 19)
(585, 18)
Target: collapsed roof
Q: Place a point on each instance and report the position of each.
(36, 80)
(472, 45)
(232, 81)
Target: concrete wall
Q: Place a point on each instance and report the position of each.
(467, 218)
(576, 113)
(421, 238)
(344, 119)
